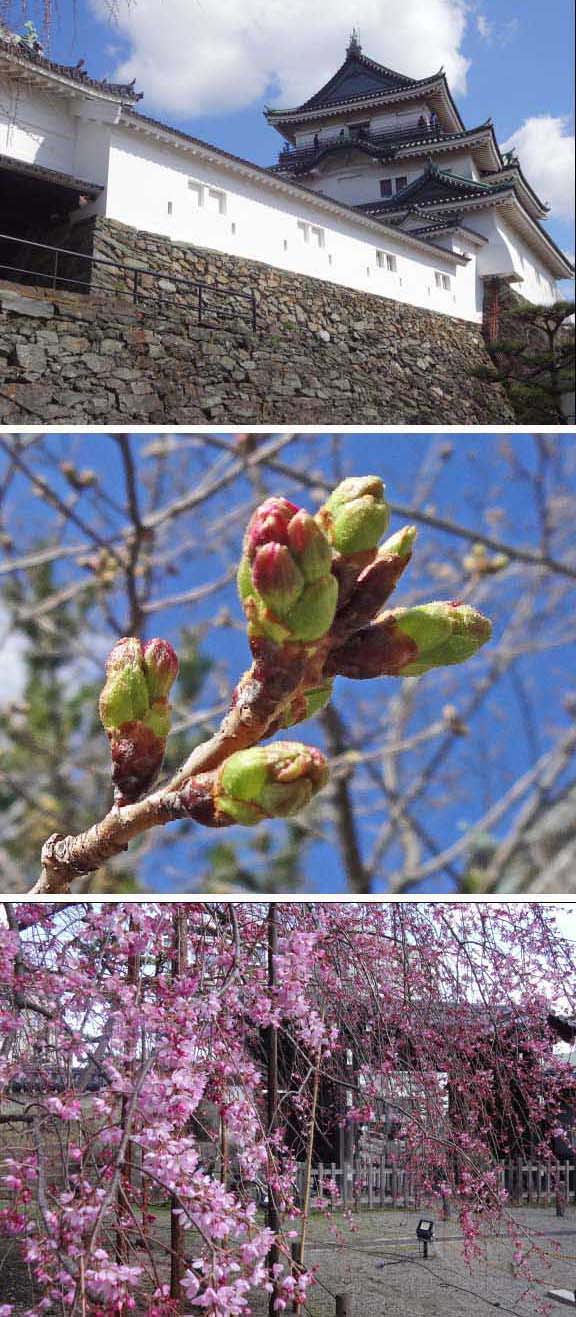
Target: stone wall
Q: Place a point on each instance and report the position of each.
(320, 354)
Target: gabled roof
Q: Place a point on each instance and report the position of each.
(32, 58)
(360, 79)
(358, 76)
(435, 187)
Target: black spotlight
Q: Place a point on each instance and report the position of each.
(425, 1233)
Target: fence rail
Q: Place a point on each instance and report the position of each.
(61, 269)
(369, 1182)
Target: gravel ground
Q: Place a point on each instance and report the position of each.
(444, 1286)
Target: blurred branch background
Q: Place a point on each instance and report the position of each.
(463, 780)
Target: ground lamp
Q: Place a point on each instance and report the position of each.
(425, 1234)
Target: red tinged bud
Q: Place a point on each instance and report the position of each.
(137, 755)
(269, 524)
(160, 667)
(276, 577)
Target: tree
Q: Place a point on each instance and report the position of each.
(535, 361)
(157, 1053)
(418, 766)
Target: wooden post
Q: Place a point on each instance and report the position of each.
(176, 1228)
(125, 1182)
(272, 1100)
(344, 1305)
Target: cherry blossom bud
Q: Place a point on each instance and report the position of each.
(309, 546)
(269, 781)
(276, 577)
(356, 515)
(135, 712)
(285, 581)
(125, 694)
(269, 524)
(160, 667)
(410, 641)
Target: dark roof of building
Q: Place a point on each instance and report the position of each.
(52, 176)
(357, 78)
(433, 187)
(19, 48)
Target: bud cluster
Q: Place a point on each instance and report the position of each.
(264, 782)
(285, 576)
(135, 712)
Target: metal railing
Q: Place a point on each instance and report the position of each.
(140, 285)
(386, 139)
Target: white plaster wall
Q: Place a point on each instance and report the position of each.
(148, 189)
(506, 253)
(71, 135)
(358, 183)
(37, 128)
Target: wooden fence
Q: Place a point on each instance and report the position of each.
(368, 1182)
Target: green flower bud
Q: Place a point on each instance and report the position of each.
(313, 614)
(400, 544)
(159, 718)
(127, 652)
(124, 698)
(410, 641)
(444, 633)
(271, 781)
(356, 515)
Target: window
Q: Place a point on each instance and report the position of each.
(401, 183)
(216, 200)
(311, 234)
(385, 187)
(443, 281)
(196, 191)
(386, 261)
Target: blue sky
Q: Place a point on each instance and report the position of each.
(210, 65)
(485, 483)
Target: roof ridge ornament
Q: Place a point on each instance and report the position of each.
(354, 47)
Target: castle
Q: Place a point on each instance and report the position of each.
(379, 186)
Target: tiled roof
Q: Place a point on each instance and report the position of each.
(20, 49)
(357, 79)
(432, 188)
(54, 176)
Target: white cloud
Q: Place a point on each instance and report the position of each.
(500, 34)
(546, 153)
(13, 646)
(194, 57)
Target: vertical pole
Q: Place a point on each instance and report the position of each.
(176, 1228)
(200, 304)
(125, 1182)
(272, 1104)
(136, 283)
(55, 273)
